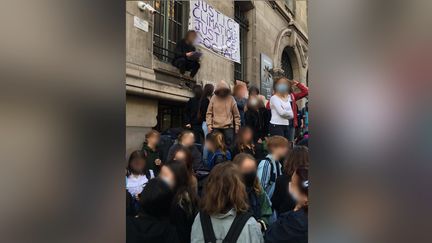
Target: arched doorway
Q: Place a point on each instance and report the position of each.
(286, 63)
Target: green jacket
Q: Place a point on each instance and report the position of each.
(152, 155)
(266, 210)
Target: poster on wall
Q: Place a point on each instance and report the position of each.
(216, 31)
(266, 77)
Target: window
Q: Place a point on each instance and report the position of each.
(168, 27)
(170, 115)
(290, 5)
(286, 63)
(240, 18)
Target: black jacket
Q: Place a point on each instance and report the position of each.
(203, 110)
(195, 153)
(191, 112)
(291, 227)
(147, 228)
(182, 220)
(281, 200)
(181, 49)
(259, 122)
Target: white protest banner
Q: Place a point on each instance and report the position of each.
(216, 31)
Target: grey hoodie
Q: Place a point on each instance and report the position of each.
(251, 232)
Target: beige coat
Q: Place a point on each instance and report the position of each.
(222, 112)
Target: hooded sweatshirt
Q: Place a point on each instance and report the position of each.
(222, 112)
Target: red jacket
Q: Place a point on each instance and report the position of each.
(304, 91)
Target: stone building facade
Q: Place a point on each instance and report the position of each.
(154, 98)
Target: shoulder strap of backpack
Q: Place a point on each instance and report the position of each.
(237, 227)
(272, 174)
(207, 227)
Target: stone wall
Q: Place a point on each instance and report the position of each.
(148, 80)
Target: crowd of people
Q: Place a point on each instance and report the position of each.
(237, 171)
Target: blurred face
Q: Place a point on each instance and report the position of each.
(249, 172)
(188, 139)
(295, 191)
(180, 155)
(280, 151)
(282, 86)
(154, 139)
(167, 176)
(210, 146)
(192, 37)
(248, 136)
(248, 166)
(138, 165)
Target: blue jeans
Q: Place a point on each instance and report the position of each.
(291, 132)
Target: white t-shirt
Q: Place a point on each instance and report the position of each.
(135, 184)
(281, 110)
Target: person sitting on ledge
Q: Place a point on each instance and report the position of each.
(186, 57)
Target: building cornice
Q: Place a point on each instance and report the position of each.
(291, 21)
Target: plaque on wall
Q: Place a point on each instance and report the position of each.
(266, 77)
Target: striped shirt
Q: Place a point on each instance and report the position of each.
(264, 174)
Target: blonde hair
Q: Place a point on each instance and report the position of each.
(218, 141)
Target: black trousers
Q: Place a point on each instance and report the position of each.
(184, 65)
(280, 130)
(198, 133)
(228, 134)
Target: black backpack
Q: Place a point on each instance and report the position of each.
(233, 232)
(272, 174)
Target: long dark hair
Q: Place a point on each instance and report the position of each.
(207, 92)
(188, 161)
(302, 173)
(185, 196)
(156, 198)
(297, 156)
(137, 154)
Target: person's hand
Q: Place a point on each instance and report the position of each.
(188, 54)
(158, 162)
(236, 130)
(259, 140)
(188, 125)
(209, 129)
(295, 82)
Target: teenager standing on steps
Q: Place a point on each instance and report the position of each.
(281, 109)
(203, 106)
(223, 114)
(191, 112)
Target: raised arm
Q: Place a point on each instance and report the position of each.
(236, 115)
(209, 116)
(304, 91)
